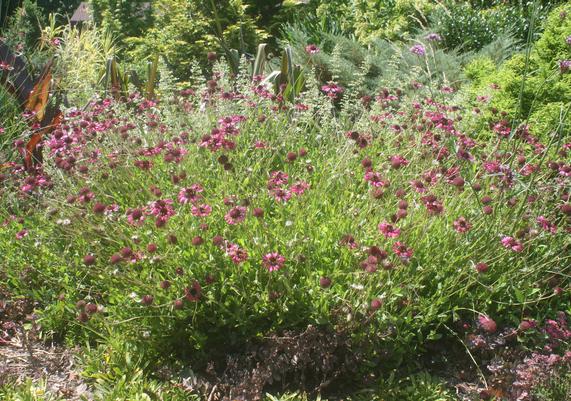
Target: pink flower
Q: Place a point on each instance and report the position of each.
(235, 215)
(433, 205)
(547, 225)
(481, 267)
(273, 261)
(433, 37)
(332, 90)
(502, 128)
(512, 243)
(201, 210)
(401, 250)
(299, 187)
(311, 49)
(419, 50)
(5, 66)
(281, 195)
(193, 293)
(418, 186)
(349, 241)
(388, 230)
(487, 324)
(397, 161)
(237, 254)
(21, 234)
(277, 179)
(375, 179)
(136, 216)
(462, 225)
(190, 195)
(161, 208)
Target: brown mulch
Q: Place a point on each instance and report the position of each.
(22, 360)
(24, 357)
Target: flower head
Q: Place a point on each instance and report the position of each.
(21, 234)
(388, 230)
(332, 90)
(194, 292)
(433, 37)
(402, 251)
(136, 216)
(311, 49)
(190, 194)
(462, 225)
(418, 49)
(235, 215)
(512, 243)
(273, 261)
(237, 254)
(487, 323)
(375, 179)
(201, 210)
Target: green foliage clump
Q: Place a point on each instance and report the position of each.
(369, 20)
(557, 387)
(392, 20)
(532, 87)
(183, 31)
(122, 18)
(462, 26)
(23, 29)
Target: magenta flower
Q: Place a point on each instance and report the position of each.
(194, 292)
(433, 205)
(136, 216)
(418, 186)
(419, 50)
(85, 195)
(332, 90)
(487, 324)
(190, 195)
(235, 215)
(299, 187)
(547, 225)
(375, 179)
(349, 241)
(260, 145)
(481, 267)
(201, 210)
(161, 208)
(273, 261)
(237, 254)
(462, 225)
(21, 234)
(433, 37)
(5, 66)
(311, 49)
(512, 243)
(277, 179)
(388, 230)
(564, 66)
(281, 195)
(402, 251)
(397, 161)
